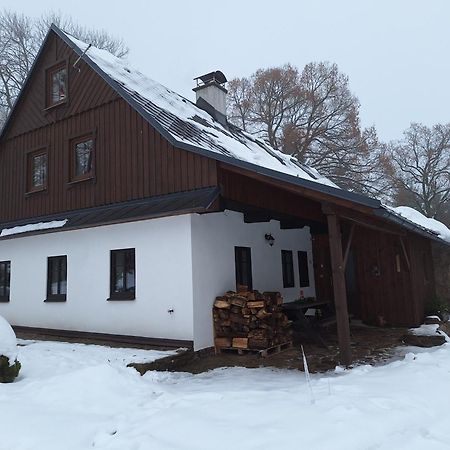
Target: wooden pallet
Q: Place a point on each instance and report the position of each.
(264, 353)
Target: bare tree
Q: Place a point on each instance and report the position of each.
(20, 39)
(17, 49)
(421, 169)
(98, 38)
(314, 116)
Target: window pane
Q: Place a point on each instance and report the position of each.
(243, 267)
(39, 168)
(54, 277)
(129, 269)
(119, 271)
(59, 86)
(5, 276)
(123, 271)
(288, 268)
(303, 269)
(83, 157)
(57, 275)
(63, 275)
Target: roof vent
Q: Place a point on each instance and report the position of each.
(212, 95)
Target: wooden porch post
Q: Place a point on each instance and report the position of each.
(340, 292)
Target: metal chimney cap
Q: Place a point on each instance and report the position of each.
(216, 76)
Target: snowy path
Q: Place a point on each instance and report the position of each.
(73, 396)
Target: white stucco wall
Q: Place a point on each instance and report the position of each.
(214, 237)
(163, 279)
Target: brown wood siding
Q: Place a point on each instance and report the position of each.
(86, 90)
(248, 191)
(132, 161)
(383, 291)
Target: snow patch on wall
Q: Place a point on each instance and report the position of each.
(33, 227)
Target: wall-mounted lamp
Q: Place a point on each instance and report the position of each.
(269, 238)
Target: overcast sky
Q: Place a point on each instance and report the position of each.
(395, 52)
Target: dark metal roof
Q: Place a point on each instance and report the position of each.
(185, 135)
(198, 201)
(397, 219)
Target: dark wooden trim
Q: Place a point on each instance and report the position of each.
(116, 338)
(405, 253)
(57, 298)
(123, 296)
(339, 288)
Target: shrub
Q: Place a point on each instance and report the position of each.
(8, 373)
(437, 307)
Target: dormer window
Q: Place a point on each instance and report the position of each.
(57, 85)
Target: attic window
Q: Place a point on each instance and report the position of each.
(37, 170)
(82, 156)
(57, 85)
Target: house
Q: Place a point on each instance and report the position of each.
(125, 209)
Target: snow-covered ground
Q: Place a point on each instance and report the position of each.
(72, 396)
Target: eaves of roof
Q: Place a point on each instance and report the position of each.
(397, 219)
(195, 201)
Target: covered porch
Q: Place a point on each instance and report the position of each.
(365, 266)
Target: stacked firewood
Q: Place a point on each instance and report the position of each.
(250, 320)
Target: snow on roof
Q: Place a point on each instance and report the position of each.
(33, 227)
(418, 219)
(187, 123)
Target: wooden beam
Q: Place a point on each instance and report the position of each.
(340, 292)
(405, 254)
(365, 220)
(349, 243)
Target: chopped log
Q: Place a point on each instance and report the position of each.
(223, 314)
(240, 342)
(256, 304)
(222, 342)
(262, 314)
(238, 301)
(250, 319)
(221, 303)
(237, 318)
